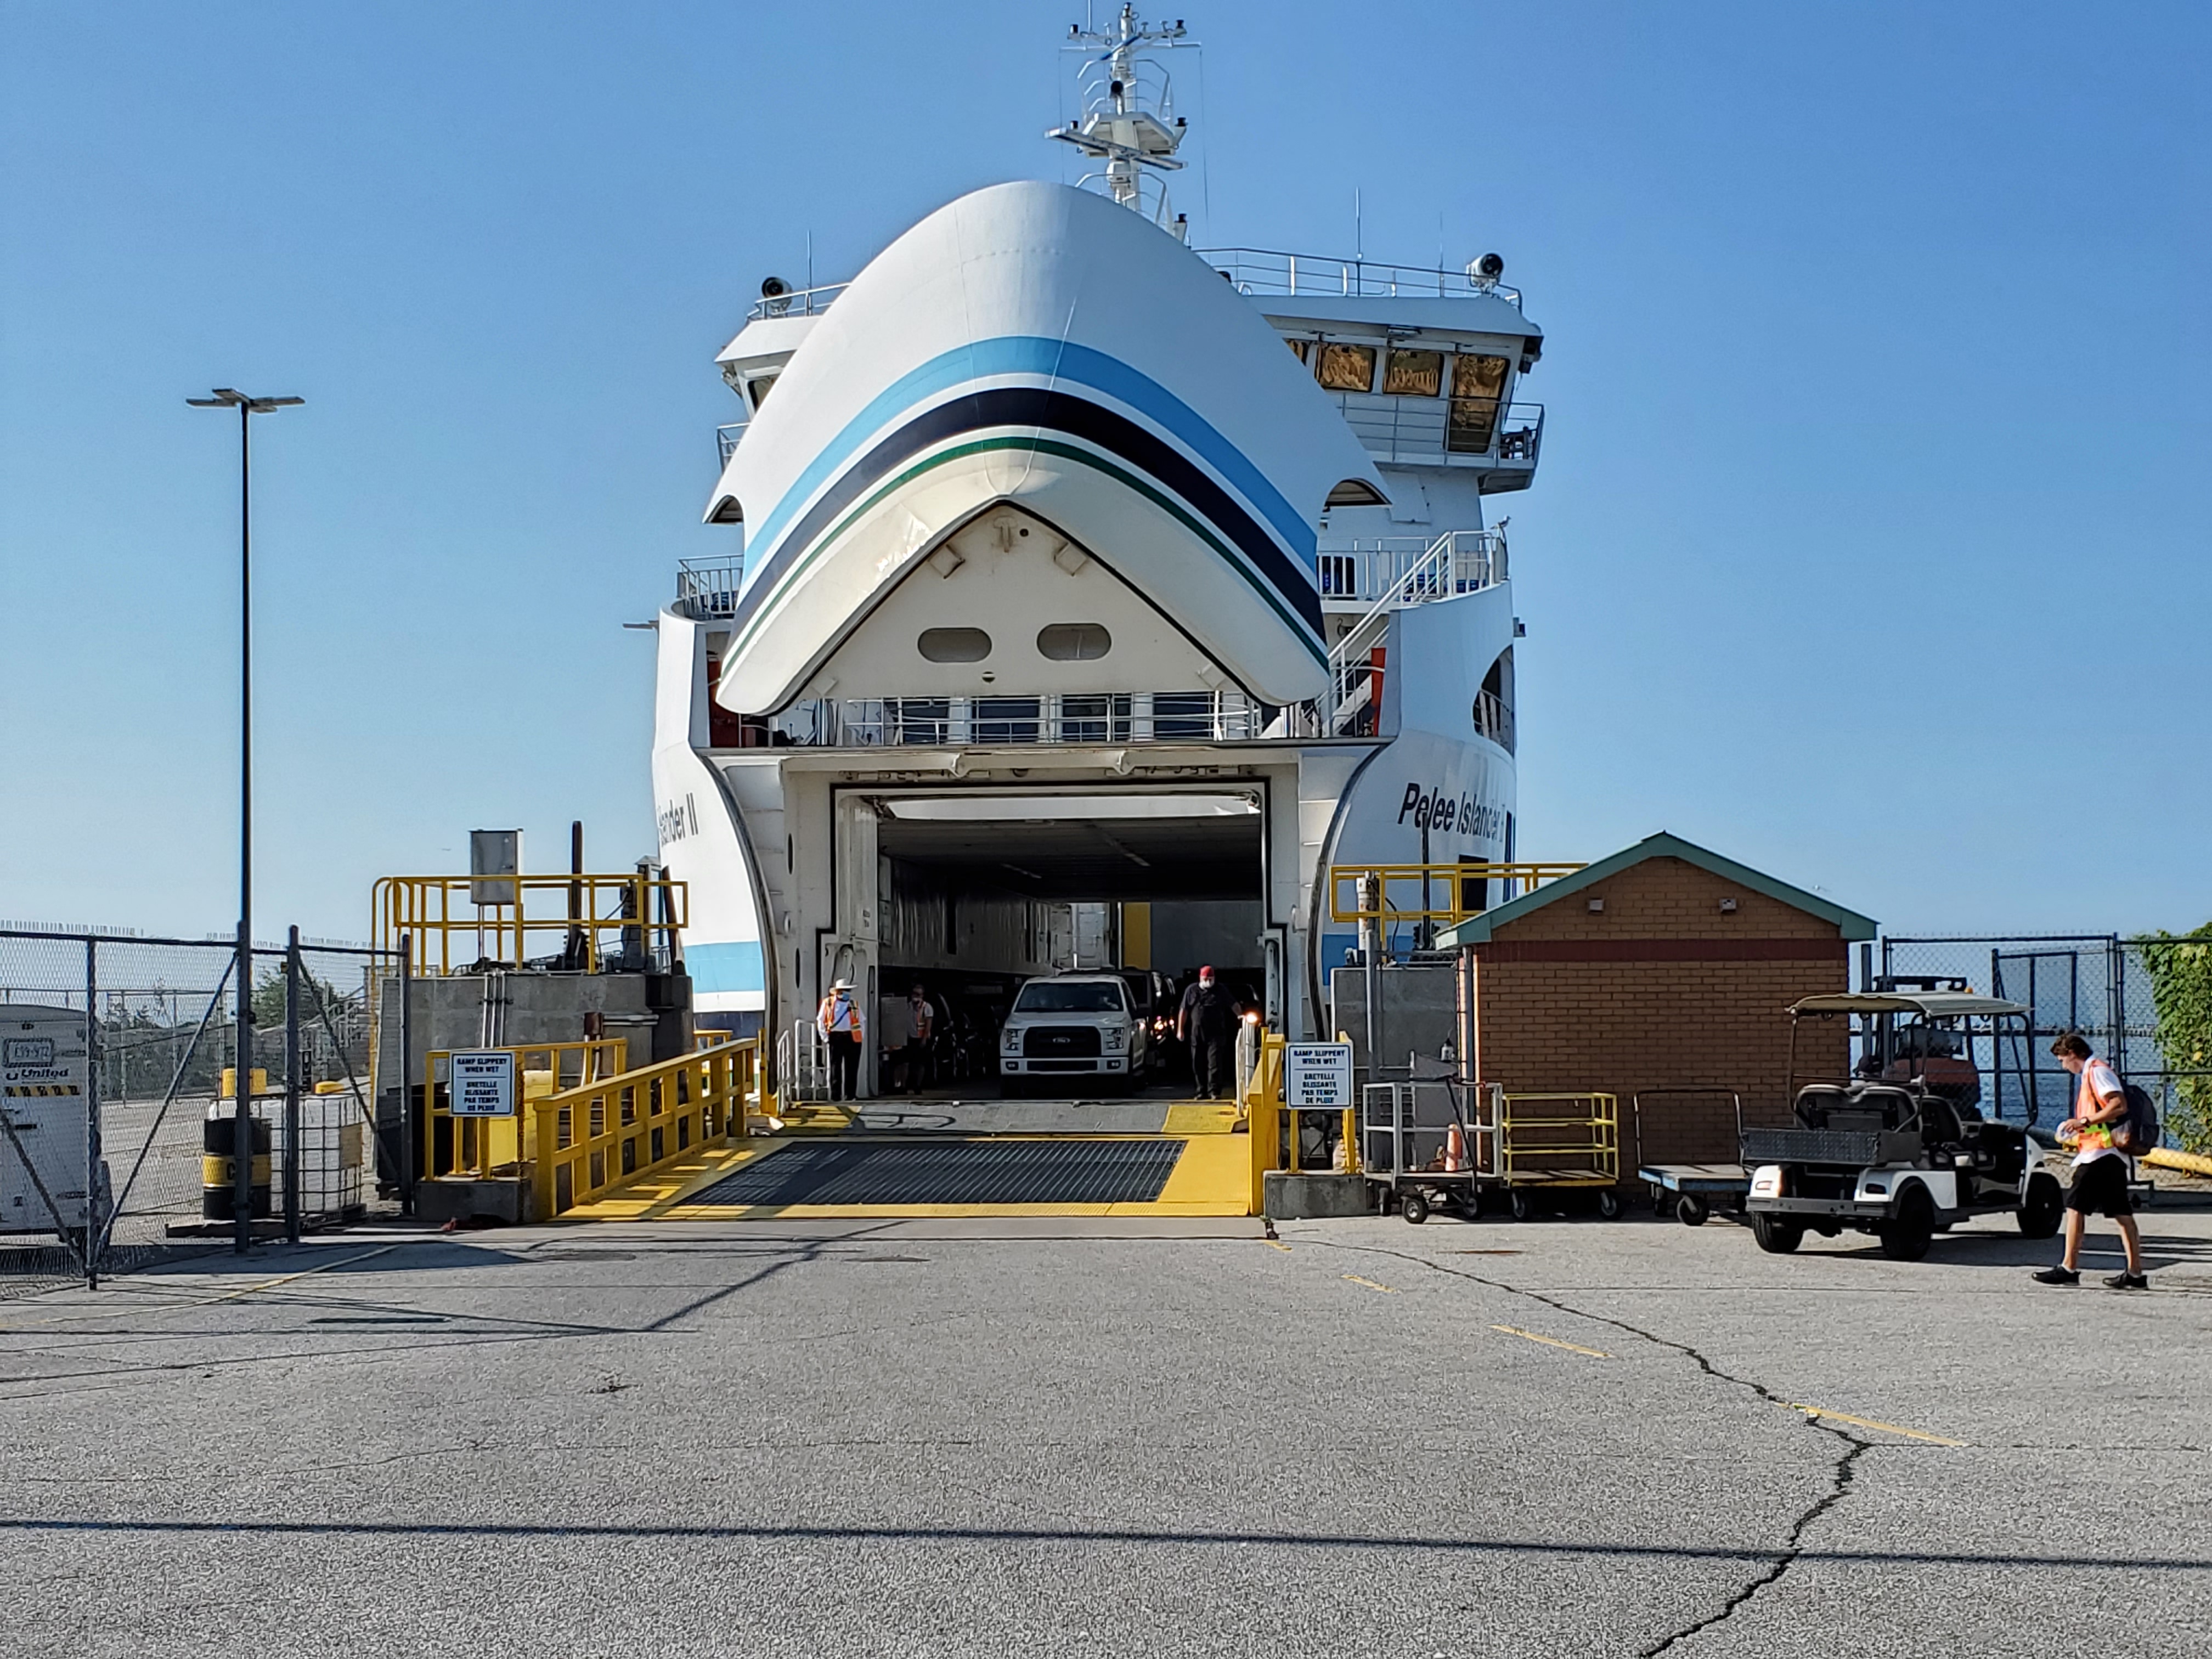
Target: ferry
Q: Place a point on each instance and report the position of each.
(1086, 596)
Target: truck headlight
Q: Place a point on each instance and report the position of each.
(1009, 1040)
(1117, 1039)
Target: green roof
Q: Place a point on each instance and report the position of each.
(1477, 930)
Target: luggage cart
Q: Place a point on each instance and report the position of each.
(1540, 1144)
(1417, 1149)
(1692, 1191)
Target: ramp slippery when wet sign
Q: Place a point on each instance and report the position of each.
(483, 1084)
(1317, 1074)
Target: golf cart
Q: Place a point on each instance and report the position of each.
(1900, 1149)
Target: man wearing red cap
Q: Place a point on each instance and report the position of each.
(1208, 1023)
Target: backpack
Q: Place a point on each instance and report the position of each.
(2139, 1131)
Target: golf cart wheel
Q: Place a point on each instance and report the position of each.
(2042, 1210)
(1518, 1203)
(1692, 1212)
(1414, 1209)
(1775, 1235)
(1470, 1203)
(1908, 1234)
(1609, 1205)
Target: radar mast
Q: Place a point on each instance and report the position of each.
(1128, 119)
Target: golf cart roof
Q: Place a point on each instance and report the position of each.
(1929, 1004)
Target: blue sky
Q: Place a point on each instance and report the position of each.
(1868, 546)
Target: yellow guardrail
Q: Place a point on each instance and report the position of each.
(561, 913)
(481, 1147)
(1430, 892)
(1263, 1114)
(589, 1140)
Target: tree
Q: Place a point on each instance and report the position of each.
(2181, 990)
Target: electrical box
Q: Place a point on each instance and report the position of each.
(493, 854)
(44, 1091)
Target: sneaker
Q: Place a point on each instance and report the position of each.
(2057, 1276)
(2127, 1282)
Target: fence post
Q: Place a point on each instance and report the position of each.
(93, 1229)
(292, 1086)
(407, 1075)
(242, 1102)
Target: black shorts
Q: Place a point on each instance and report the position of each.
(2100, 1187)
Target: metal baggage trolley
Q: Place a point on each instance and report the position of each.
(1692, 1191)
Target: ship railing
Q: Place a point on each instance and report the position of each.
(727, 438)
(1407, 429)
(1457, 561)
(1402, 570)
(798, 302)
(706, 589)
(1063, 718)
(1270, 271)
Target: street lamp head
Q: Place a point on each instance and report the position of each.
(227, 397)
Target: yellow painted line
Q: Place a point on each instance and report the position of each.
(1553, 1342)
(1371, 1283)
(1276, 1244)
(1879, 1427)
(309, 1273)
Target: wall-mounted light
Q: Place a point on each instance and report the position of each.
(1596, 905)
(1727, 907)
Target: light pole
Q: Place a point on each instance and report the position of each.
(241, 1148)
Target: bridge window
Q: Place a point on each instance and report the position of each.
(1477, 384)
(758, 388)
(1347, 368)
(954, 644)
(1414, 374)
(1073, 642)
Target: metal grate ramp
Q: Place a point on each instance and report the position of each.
(1064, 1170)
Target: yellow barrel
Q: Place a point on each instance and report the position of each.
(219, 1166)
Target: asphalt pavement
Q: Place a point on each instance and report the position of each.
(1088, 1437)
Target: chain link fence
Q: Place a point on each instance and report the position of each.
(2102, 985)
(119, 1085)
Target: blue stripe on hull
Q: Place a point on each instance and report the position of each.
(1063, 361)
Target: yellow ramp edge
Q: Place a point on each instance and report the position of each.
(1212, 1177)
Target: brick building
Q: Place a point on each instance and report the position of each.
(1664, 966)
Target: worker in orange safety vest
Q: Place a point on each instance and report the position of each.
(838, 1019)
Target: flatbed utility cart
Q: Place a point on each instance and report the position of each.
(1421, 1148)
(1691, 1192)
(1546, 1145)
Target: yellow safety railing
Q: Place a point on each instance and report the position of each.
(1262, 1103)
(1430, 892)
(590, 1139)
(480, 1147)
(1560, 1140)
(452, 933)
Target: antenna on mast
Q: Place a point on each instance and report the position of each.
(1128, 119)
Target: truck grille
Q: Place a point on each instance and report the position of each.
(1060, 1042)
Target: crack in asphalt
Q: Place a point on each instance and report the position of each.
(1839, 1475)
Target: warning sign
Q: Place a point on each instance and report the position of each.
(1317, 1074)
(483, 1083)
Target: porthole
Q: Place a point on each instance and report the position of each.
(954, 644)
(1073, 642)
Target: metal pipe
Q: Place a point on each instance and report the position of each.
(92, 1217)
(406, 1074)
(241, 1148)
(292, 1087)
